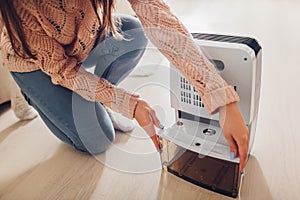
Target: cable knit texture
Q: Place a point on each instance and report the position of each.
(62, 33)
(176, 43)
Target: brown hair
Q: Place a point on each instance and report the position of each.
(104, 9)
(10, 19)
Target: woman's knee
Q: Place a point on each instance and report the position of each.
(95, 142)
(132, 30)
(129, 22)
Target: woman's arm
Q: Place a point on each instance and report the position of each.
(170, 36)
(175, 42)
(65, 70)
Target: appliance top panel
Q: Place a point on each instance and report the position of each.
(250, 42)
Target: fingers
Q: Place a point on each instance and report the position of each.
(151, 120)
(154, 118)
(154, 121)
(235, 131)
(146, 117)
(157, 123)
(233, 146)
(238, 147)
(150, 130)
(243, 151)
(155, 141)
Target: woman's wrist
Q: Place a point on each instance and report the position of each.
(227, 106)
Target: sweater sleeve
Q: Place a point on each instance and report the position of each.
(174, 41)
(67, 72)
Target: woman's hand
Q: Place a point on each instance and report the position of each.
(147, 119)
(235, 131)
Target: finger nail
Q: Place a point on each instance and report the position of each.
(231, 155)
(161, 126)
(159, 150)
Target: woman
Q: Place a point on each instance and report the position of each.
(49, 45)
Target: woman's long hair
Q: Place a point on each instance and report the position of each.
(10, 19)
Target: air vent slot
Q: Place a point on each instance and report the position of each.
(188, 94)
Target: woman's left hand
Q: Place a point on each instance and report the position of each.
(235, 131)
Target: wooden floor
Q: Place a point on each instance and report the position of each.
(36, 165)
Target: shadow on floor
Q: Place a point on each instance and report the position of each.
(254, 184)
(68, 174)
(5, 133)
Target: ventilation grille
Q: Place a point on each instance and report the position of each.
(189, 95)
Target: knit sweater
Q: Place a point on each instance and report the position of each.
(62, 33)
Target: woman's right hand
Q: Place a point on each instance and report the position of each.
(147, 119)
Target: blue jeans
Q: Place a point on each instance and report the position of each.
(85, 125)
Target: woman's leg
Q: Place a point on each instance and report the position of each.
(115, 59)
(82, 124)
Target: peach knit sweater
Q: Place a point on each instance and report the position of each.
(62, 33)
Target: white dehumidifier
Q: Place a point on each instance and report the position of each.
(194, 148)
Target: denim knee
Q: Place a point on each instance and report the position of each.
(134, 27)
(101, 146)
(96, 141)
(129, 22)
